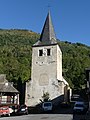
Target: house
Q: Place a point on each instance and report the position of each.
(8, 94)
(46, 76)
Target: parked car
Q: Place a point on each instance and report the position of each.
(11, 110)
(23, 110)
(79, 108)
(4, 111)
(47, 106)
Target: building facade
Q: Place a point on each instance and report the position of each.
(8, 94)
(46, 76)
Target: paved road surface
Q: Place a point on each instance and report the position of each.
(40, 117)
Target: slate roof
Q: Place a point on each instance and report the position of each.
(48, 35)
(6, 86)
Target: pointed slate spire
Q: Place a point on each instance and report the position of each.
(48, 35)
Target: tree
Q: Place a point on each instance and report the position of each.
(45, 97)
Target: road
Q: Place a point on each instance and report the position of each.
(58, 114)
(40, 117)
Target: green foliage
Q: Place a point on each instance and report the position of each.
(15, 53)
(45, 97)
(15, 57)
(76, 57)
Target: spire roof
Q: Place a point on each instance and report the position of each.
(48, 35)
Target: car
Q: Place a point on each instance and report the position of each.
(47, 106)
(79, 108)
(4, 111)
(11, 110)
(22, 110)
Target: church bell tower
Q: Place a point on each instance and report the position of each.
(46, 66)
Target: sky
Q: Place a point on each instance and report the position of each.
(71, 18)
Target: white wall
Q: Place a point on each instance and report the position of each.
(46, 71)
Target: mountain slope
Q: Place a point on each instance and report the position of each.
(15, 57)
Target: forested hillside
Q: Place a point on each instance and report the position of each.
(15, 57)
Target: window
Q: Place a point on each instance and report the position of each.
(48, 52)
(4, 99)
(45, 52)
(40, 52)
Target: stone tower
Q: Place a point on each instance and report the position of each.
(46, 69)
